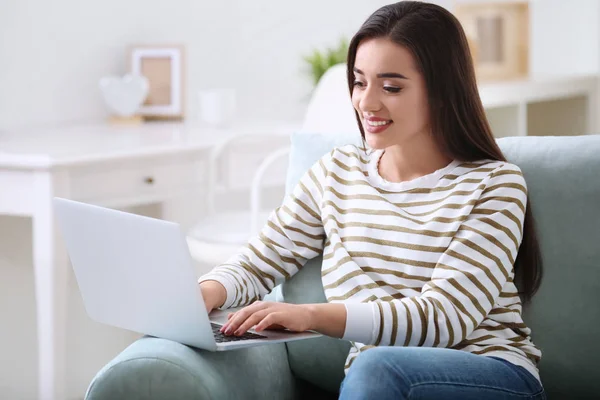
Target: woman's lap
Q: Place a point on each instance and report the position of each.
(435, 373)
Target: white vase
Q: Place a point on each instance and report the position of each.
(217, 106)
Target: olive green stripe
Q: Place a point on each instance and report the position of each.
(373, 285)
(306, 208)
(394, 324)
(476, 170)
(390, 228)
(346, 167)
(354, 254)
(342, 196)
(409, 325)
(293, 229)
(383, 242)
(477, 341)
(502, 228)
(503, 199)
(352, 292)
(337, 265)
(466, 293)
(446, 317)
(492, 239)
(309, 194)
(300, 219)
(395, 273)
(423, 321)
(366, 254)
(391, 243)
(506, 213)
(508, 185)
(503, 327)
(475, 247)
(473, 280)
(381, 322)
(392, 214)
(492, 348)
(506, 172)
(442, 188)
(297, 255)
(323, 168)
(352, 155)
(476, 264)
(312, 176)
(271, 263)
(368, 286)
(258, 274)
(455, 303)
(504, 310)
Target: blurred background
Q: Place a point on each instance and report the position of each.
(183, 110)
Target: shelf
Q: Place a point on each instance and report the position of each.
(542, 106)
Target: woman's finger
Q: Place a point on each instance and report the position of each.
(251, 321)
(273, 318)
(240, 316)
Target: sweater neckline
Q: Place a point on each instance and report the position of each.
(428, 180)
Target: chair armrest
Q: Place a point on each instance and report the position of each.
(153, 368)
(218, 151)
(257, 181)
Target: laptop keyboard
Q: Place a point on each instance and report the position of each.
(222, 338)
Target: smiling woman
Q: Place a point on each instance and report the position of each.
(426, 231)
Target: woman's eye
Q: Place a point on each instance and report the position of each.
(391, 89)
(358, 84)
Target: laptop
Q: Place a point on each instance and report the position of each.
(136, 273)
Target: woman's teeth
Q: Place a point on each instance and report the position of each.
(378, 123)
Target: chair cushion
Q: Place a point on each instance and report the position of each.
(307, 148)
(562, 174)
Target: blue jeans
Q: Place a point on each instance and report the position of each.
(384, 373)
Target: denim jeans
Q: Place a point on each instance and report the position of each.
(384, 373)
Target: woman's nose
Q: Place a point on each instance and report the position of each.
(370, 100)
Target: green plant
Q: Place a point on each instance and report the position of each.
(320, 61)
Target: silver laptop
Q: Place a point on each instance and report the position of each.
(136, 273)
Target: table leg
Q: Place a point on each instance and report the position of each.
(50, 262)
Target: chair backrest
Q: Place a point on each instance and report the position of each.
(562, 178)
(330, 109)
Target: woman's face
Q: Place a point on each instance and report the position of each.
(389, 94)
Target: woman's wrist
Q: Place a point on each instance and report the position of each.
(214, 293)
(327, 318)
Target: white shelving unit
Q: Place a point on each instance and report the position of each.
(542, 106)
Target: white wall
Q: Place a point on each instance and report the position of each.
(565, 37)
(52, 54)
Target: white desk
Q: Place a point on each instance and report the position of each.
(110, 166)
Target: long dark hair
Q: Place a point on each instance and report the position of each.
(458, 122)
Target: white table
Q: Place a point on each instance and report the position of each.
(100, 164)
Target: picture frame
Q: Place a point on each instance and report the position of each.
(163, 66)
(498, 37)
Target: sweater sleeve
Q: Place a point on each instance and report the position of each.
(467, 279)
(292, 235)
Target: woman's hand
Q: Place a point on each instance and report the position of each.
(269, 315)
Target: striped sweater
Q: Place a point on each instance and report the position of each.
(425, 262)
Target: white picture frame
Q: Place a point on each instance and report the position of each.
(163, 67)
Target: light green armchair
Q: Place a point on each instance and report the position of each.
(563, 176)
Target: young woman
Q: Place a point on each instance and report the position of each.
(422, 231)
